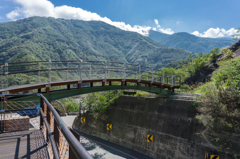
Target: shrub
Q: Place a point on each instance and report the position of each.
(142, 94)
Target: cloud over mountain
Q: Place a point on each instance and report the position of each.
(45, 8)
(216, 33)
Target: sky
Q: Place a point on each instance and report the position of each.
(203, 18)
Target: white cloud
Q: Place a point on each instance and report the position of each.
(13, 14)
(159, 28)
(216, 33)
(45, 8)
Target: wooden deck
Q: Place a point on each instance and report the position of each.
(28, 144)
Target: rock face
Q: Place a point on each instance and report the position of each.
(205, 74)
(236, 49)
(171, 123)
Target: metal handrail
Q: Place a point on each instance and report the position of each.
(74, 144)
(77, 148)
(53, 143)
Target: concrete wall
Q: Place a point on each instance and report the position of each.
(172, 125)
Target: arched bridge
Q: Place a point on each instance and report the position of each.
(60, 79)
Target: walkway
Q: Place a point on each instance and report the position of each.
(23, 144)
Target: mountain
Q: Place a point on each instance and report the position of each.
(189, 42)
(38, 38)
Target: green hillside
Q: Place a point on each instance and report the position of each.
(189, 42)
(39, 38)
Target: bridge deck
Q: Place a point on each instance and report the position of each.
(21, 88)
(23, 144)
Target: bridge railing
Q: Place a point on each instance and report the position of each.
(21, 73)
(41, 115)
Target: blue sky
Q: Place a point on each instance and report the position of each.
(206, 18)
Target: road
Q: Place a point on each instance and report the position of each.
(101, 149)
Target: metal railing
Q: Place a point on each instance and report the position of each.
(34, 72)
(41, 115)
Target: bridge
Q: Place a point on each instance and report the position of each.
(60, 79)
(33, 131)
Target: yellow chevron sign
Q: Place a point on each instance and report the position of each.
(109, 126)
(149, 138)
(82, 119)
(214, 157)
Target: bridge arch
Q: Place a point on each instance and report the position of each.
(49, 74)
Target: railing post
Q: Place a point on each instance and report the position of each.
(6, 76)
(56, 134)
(105, 71)
(152, 76)
(80, 69)
(39, 72)
(124, 72)
(139, 73)
(90, 71)
(49, 72)
(67, 69)
(48, 120)
(41, 117)
(163, 78)
(1, 77)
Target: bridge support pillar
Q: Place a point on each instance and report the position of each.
(91, 84)
(172, 89)
(47, 90)
(110, 83)
(122, 83)
(103, 84)
(162, 86)
(5, 98)
(150, 85)
(79, 85)
(138, 84)
(68, 86)
(39, 90)
(125, 83)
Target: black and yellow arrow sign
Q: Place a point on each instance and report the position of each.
(82, 119)
(214, 157)
(149, 138)
(109, 126)
(206, 155)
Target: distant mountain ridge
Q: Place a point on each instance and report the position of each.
(38, 38)
(189, 42)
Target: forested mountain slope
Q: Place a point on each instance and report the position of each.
(39, 38)
(190, 42)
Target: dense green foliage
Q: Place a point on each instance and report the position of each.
(189, 42)
(99, 102)
(39, 38)
(219, 108)
(177, 64)
(70, 104)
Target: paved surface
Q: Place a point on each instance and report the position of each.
(101, 149)
(23, 144)
(68, 120)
